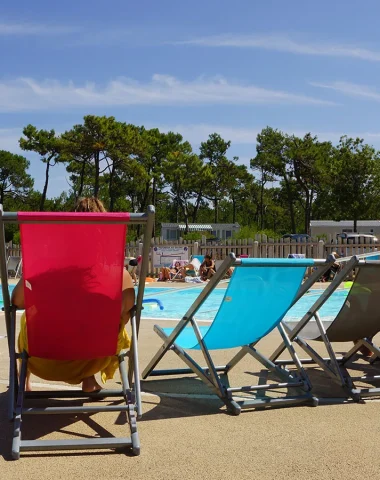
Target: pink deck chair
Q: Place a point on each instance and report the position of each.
(72, 273)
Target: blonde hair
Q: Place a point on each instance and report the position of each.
(89, 204)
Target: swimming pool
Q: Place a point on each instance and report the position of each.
(177, 301)
(10, 287)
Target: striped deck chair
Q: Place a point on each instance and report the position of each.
(357, 321)
(72, 273)
(249, 311)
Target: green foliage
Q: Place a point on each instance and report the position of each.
(16, 238)
(129, 167)
(196, 235)
(48, 146)
(250, 232)
(15, 182)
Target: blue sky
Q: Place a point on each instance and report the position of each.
(195, 67)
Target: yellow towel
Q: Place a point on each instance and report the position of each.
(73, 371)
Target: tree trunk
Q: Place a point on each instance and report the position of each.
(154, 203)
(81, 179)
(290, 203)
(110, 188)
(216, 206)
(96, 184)
(44, 191)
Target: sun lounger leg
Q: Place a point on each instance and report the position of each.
(330, 350)
(130, 401)
(134, 367)
(294, 356)
(13, 380)
(316, 307)
(239, 356)
(16, 443)
(204, 374)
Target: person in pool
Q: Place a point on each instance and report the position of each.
(77, 371)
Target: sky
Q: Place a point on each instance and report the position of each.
(198, 67)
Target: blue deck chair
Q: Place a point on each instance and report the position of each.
(258, 296)
(198, 257)
(357, 321)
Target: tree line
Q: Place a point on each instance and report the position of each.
(290, 179)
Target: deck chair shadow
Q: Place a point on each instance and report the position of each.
(357, 321)
(72, 274)
(249, 311)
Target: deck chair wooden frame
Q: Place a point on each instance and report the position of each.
(357, 321)
(18, 398)
(212, 375)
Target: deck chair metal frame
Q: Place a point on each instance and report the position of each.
(328, 333)
(14, 265)
(211, 374)
(131, 394)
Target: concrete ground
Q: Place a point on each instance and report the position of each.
(186, 433)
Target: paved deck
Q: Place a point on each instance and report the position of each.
(186, 433)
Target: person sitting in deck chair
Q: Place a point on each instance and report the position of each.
(133, 264)
(170, 273)
(207, 268)
(77, 371)
(332, 271)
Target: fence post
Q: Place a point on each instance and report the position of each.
(255, 249)
(195, 250)
(321, 249)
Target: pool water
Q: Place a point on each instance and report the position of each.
(10, 288)
(176, 302)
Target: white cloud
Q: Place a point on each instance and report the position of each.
(283, 43)
(30, 29)
(27, 94)
(350, 89)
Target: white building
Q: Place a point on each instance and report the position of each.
(222, 231)
(330, 227)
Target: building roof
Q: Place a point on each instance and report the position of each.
(343, 223)
(200, 226)
(196, 227)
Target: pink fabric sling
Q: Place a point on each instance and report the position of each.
(72, 283)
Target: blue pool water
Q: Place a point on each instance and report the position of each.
(176, 302)
(11, 287)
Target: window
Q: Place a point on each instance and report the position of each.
(228, 233)
(172, 234)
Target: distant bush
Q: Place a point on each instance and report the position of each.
(16, 238)
(323, 237)
(250, 232)
(196, 235)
